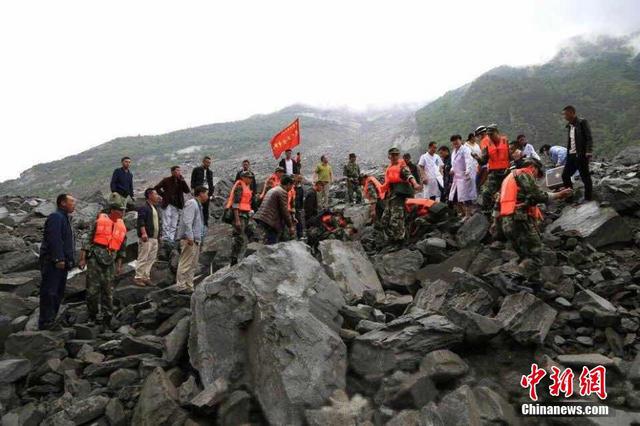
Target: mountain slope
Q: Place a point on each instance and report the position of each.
(334, 132)
(601, 78)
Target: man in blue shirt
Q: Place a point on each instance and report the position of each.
(122, 179)
(56, 259)
(556, 154)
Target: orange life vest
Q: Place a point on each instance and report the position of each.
(325, 219)
(109, 234)
(509, 195)
(484, 143)
(422, 204)
(245, 200)
(275, 181)
(393, 175)
(498, 154)
(376, 184)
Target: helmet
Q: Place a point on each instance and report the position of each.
(480, 129)
(492, 128)
(394, 150)
(529, 161)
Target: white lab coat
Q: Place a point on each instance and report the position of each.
(432, 166)
(464, 175)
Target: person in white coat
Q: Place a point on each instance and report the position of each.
(431, 167)
(463, 170)
(476, 153)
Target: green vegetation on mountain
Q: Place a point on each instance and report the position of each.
(601, 79)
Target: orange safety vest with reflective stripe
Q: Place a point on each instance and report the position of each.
(275, 181)
(509, 195)
(498, 155)
(108, 233)
(376, 184)
(245, 200)
(423, 205)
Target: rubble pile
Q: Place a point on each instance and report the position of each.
(438, 332)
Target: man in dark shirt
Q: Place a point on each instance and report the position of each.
(579, 151)
(203, 176)
(298, 204)
(122, 179)
(172, 190)
(56, 259)
(311, 202)
(413, 167)
(246, 167)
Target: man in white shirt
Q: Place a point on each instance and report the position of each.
(431, 166)
(289, 165)
(528, 151)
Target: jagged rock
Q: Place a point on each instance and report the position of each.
(14, 306)
(10, 243)
(12, 370)
(342, 411)
(444, 270)
(75, 386)
(114, 412)
(597, 308)
(29, 414)
(402, 343)
(276, 322)
(621, 194)
(212, 395)
(475, 407)
(17, 261)
(398, 268)
(188, 391)
(107, 367)
(527, 318)
(88, 355)
(175, 343)
(628, 157)
(598, 226)
(359, 215)
(473, 230)
(168, 324)
(394, 303)
(439, 296)
(45, 209)
(588, 360)
(443, 366)
(477, 328)
(131, 345)
(157, 403)
(87, 409)
(348, 265)
(36, 346)
(130, 294)
(403, 390)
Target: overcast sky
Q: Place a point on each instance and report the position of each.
(74, 74)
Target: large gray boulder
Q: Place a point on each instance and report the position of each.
(628, 156)
(398, 268)
(597, 225)
(402, 344)
(527, 318)
(621, 193)
(272, 323)
(17, 261)
(473, 230)
(14, 306)
(157, 405)
(439, 296)
(348, 265)
(475, 407)
(36, 346)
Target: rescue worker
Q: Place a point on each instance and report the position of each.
(351, 171)
(518, 213)
(399, 184)
(329, 225)
(374, 194)
(102, 253)
(272, 181)
(495, 154)
(240, 202)
(311, 202)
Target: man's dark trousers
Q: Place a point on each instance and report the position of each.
(581, 164)
(52, 288)
(205, 212)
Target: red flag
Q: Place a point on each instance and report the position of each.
(286, 139)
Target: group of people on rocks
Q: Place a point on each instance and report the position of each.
(485, 173)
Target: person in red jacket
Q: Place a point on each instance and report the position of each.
(496, 155)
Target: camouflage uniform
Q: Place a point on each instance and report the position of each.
(241, 236)
(101, 272)
(372, 198)
(393, 218)
(520, 228)
(319, 232)
(352, 172)
(489, 189)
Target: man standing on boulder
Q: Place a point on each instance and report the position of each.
(191, 233)
(56, 259)
(172, 190)
(351, 172)
(399, 184)
(122, 181)
(148, 229)
(203, 176)
(496, 155)
(102, 253)
(580, 149)
(240, 202)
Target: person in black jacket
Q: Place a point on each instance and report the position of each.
(148, 228)
(311, 207)
(298, 203)
(290, 166)
(56, 259)
(122, 179)
(202, 176)
(579, 151)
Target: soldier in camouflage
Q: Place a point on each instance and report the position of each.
(329, 225)
(351, 171)
(517, 214)
(103, 264)
(243, 228)
(496, 155)
(399, 184)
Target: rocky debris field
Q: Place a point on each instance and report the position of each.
(438, 332)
